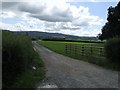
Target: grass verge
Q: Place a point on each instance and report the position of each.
(59, 47)
(31, 76)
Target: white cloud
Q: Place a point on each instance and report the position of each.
(52, 12)
(62, 0)
(92, 0)
(12, 27)
(54, 16)
(7, 14)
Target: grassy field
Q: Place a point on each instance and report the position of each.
(59, 47)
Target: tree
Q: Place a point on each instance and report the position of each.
(112, 27)
(99, 37)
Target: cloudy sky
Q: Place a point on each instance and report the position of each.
(74, 17)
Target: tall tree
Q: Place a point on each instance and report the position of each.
(112, 27)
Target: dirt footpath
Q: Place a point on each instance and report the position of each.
(65, 72)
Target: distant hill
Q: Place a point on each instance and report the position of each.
(46, 35)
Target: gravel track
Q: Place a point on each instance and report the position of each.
(65, 72)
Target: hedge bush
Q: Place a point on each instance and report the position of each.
(112, 48)
(17, 54)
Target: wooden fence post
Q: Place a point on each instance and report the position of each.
(66, 48)
(75, 50)
(100, 51)
(82, 50)
(91, 49)
(70, 48)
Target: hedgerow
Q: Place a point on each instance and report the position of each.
(112, 48)
(17, 55)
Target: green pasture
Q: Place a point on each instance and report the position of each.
(59, 47)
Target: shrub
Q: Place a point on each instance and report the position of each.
(17, 54)
(112, 48)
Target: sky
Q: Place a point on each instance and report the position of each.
(73, 17)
